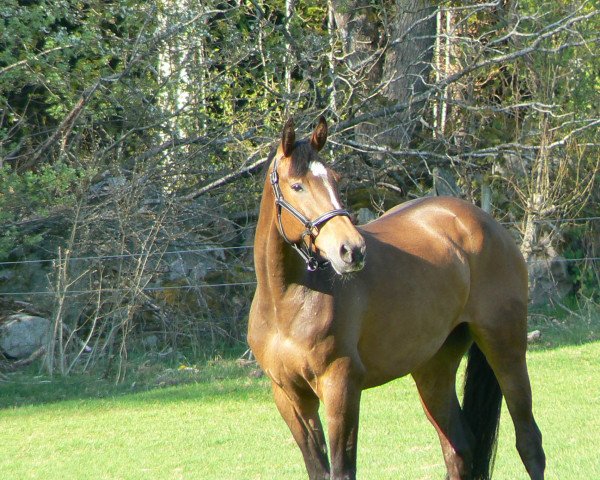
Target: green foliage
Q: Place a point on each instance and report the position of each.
(50, 53)
(37, 193)
(34, 194)
(152, 101)
(575, 322)
(584, 270)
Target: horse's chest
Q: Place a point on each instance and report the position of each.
(289, 361)
(294, 339)
(296, 352)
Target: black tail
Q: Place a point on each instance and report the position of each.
(481, 407)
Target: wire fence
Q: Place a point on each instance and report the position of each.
(208, 249)
(218, 285)
(205, 249)
(104, 306)
(213, 248)
(554, 220)
(122, 290)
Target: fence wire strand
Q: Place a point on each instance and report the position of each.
(211, 249)
(129, 255)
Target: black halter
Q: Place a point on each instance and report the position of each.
(311, 227)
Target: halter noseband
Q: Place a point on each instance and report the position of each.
(311, 227)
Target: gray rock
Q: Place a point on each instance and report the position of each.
(548, 279)
(444, 183)
(21, 335)
(106, 184)
(6, 275)
(364, 216)
(534, 336)
(151, 341)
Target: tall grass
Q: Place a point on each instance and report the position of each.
(225, 426)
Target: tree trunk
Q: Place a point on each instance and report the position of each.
(388, 51)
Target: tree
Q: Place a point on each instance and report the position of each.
(142, 128)
(387, 51)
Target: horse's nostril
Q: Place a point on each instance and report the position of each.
(354, 254)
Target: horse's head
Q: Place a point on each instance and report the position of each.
(310, 216)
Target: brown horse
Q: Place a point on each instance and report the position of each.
(339, 309)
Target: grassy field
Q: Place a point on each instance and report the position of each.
(225, 426)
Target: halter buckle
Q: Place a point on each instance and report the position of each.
(312, 264)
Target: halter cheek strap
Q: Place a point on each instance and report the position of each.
(311, 227)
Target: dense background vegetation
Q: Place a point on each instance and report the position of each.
(133, 136)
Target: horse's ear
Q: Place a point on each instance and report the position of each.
(319, 136)
(288, 137)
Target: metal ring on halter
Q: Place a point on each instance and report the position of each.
(311, 226)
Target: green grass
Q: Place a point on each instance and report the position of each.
(225, 426)
(218, 422)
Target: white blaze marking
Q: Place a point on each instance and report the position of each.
(319, 170)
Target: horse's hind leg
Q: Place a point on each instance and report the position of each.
(504, 344)
(517, 392)
(300, 411)
(435, 381)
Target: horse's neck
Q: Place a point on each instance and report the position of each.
(276, 264)
(287, 294)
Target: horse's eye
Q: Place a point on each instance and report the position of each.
(297, 187)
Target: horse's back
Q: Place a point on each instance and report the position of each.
(457, 227)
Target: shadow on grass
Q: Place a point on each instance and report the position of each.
(561, 325)
(208, 382)
(571, 324)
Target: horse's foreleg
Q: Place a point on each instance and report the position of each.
(300, 412)
(340, 391)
